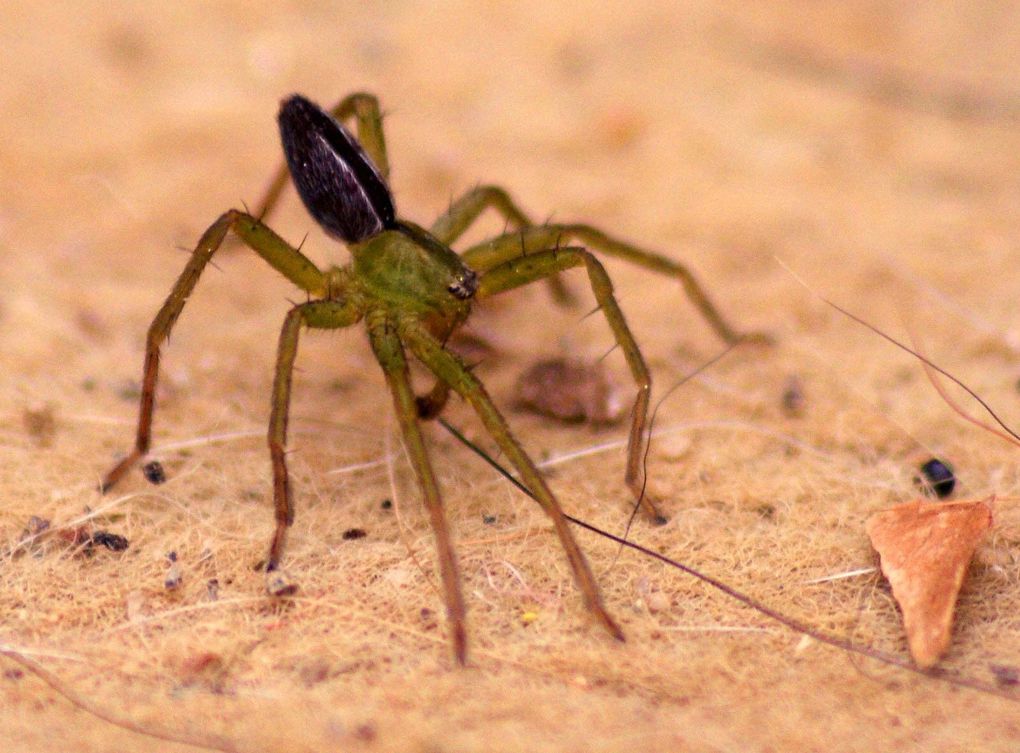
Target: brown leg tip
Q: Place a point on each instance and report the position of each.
(116, 473)
(279, 585)
(609, 624)
(460, 645)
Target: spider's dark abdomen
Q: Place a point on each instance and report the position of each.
(337, 181)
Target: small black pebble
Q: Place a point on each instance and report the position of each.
(153, 472)
(355, 533)
(793, 401)
(387, 504)
(111, 541)
(938, 476)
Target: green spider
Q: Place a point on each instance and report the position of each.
(413, 292)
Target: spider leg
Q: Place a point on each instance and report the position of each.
(448, 228)
(390, 353)
(489, 254)
(522, 270)
(451, 370)
(465, 210)
(431, 404)
(333, 314)
(364, 108)
(290, 262)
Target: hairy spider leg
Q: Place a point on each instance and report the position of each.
(529, 238)
(364, 108)
(447, 229)
(287, 260)
(465, 210)
(452, 224)
(448, 367)
(522, 270)
(390, 353)
(332, 314)
(488, 254)
(510, 254)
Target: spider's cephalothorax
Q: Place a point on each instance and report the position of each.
(412, 291)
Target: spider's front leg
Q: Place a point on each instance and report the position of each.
(491, 253)
(465, 210)
(447, 367)
(331, 314)
(287, 260)
(514, 259)
(540, 265)
(390, 353)
(447, 229)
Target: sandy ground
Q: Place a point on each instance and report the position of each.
(871, 147)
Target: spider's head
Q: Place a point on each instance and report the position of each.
(464, 285)
(409, 268)
(338, 183)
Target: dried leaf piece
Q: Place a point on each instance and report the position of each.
(40, 422)
(925, 548)
(204, 669)
(570, 390)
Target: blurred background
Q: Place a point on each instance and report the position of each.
(873, 147)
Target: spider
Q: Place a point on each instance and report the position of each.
(412, 291)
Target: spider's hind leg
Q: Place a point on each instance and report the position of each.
(540, 265)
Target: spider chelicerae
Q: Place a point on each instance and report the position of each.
(412, 291)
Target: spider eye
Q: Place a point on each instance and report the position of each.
(464, 285)
(337, 181)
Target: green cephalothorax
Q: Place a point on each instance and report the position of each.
(410, 272)
(412, 291)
